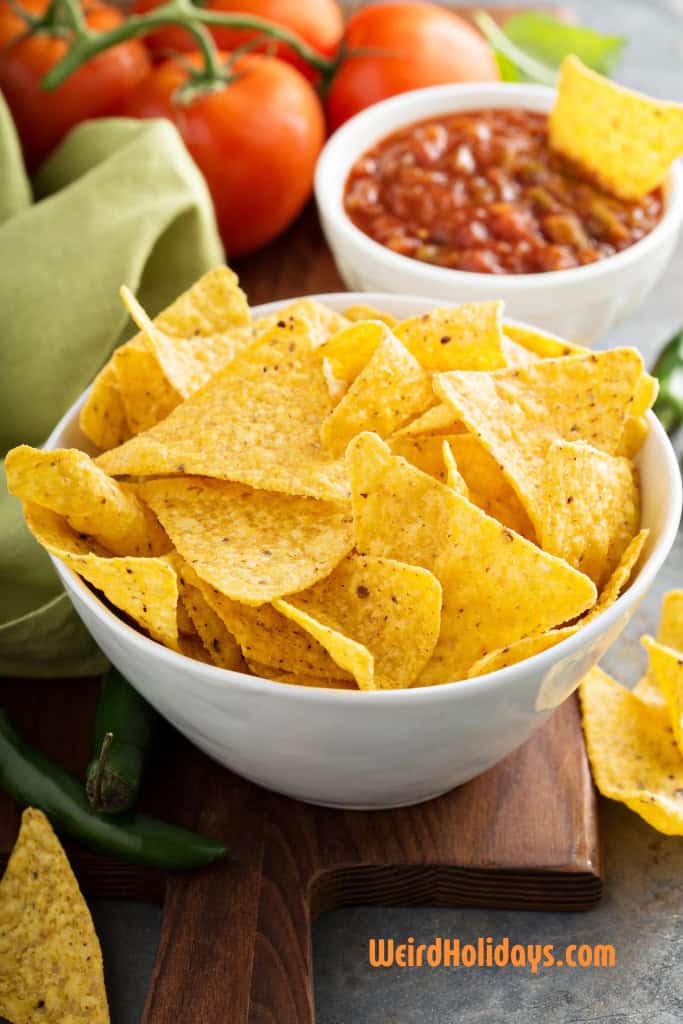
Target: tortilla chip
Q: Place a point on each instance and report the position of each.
(636, 429)
(531, 645)
(257, 422)
(265, 672)
(454, 477)
(516, 355)
(519, 651)
(220, 645)
(68, 481)
(265, 636)
(425, 451)
(517, 414)
(666, 665)
(440, 419)
(251, 545)
(144, 588)
(363, 312)
(103, 416)
(633, 752)
(487, 486)
(588, 509)
(147, 396)
(545, 346)
(350, 350)
(187, 363)
(669, 634)
(467, 337)
(390, 389)
(379, 619)
(497, 586)
(624, 139)
(50, 958)
(322, 320)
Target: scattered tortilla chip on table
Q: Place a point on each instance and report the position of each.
(666, 665)
(68, 481)
(633, 752)
(378, 618)
(625, 140)
(256, 422)
(50, 958)
(251, 545)
(466, 337)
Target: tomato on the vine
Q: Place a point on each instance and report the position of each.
(406, 46)
(256, 140)
(95, 90)
(318, 22)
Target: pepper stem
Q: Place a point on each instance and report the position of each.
(98, 777)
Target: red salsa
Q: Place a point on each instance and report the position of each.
(482, 191)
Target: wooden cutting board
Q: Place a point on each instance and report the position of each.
(236, 938)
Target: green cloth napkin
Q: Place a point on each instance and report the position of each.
(120, 202)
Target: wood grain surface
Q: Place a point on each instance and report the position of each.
(236, 938)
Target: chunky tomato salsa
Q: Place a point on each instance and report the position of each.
(482, 191)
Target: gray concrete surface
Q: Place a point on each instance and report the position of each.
(642, 910)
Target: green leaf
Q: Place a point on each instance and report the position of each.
(509, 72)
(550, 41)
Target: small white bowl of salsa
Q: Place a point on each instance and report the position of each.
(453, 192)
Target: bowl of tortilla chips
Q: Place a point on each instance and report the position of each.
(355, 547)
(621, 139)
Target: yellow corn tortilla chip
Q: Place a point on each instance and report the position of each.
(187, 363)
(103, 416)
(516, 355)
(146, 589)
(486, 484)
(266, 672)
(633, 752)
(467, 337)
(624, 139)
(454, 477)
(517, 414)
(50, 958)
(257, 422)
(221, 646)
(440, 419)
(390, 389)
(363, 312)
(425, 451)
(542, 345)
(519, 651)
(322, 320)
(251, 545)
(669, 634)
(350, 350)
(68, 481)
(267, 637)
(636, 429)
(531, 645)
(497, 586)
(150, 378)
(666, 666)
(588, 509)
(378, 618)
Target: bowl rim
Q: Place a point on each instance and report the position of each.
(490, 682)
(341, 144)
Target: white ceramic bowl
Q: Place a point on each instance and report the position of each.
(580, 304)
(386, 748)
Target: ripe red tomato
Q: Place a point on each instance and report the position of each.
(318, 22)
(256, 141)
(424, 45)
(95, 90)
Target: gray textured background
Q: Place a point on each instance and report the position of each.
(642, 911)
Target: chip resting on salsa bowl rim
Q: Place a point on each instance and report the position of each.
(350, 501)
(508, 190)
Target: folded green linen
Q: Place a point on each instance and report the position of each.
(120, 202)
